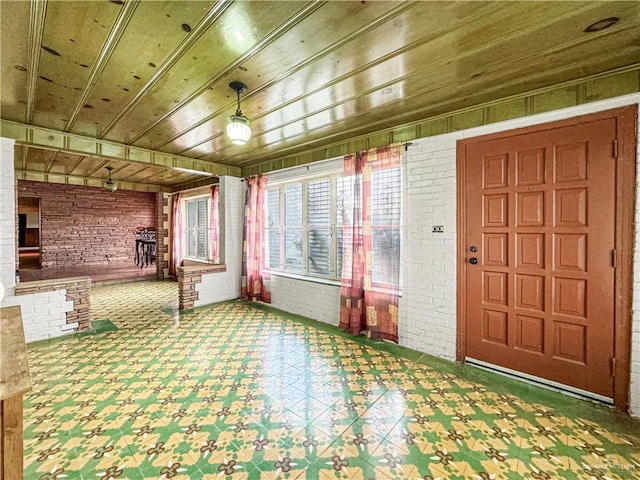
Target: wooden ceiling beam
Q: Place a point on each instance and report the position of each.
(120, 168)
(51, 160)
(25, 156)
(134, 174)
(195, 184)
(36, 30)
(85, 181)
(75, 164)
(38, 137)
(100, 166)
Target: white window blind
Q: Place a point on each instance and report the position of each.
(386, 202)
(344, 216)
(293, 243)
(273, 229)
(197, 231)
(319, 226)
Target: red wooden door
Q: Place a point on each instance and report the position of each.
(540, 220)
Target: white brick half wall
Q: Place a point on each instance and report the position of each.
(44, 315)
(215, 287)
(220, 286)
(314, 300)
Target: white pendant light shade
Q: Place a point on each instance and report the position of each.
(238, 129)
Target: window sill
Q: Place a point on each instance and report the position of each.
(305, 278)
(190, 262)
(323, 281)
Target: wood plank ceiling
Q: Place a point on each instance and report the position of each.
(155, 74)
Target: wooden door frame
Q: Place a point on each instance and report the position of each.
(625, 192)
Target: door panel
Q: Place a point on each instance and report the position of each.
(541, 208)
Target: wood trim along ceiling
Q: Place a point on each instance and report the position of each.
(37, 137)
(150, 80)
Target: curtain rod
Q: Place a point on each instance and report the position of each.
(406, 145)
(195, 188)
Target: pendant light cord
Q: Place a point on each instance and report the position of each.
(238, 111)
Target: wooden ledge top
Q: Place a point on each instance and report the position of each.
(202, 268)
(54, 282)
(15, 378)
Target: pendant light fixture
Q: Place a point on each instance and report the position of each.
(238, 129)
(109, 184)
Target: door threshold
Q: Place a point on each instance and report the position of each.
(538, 381)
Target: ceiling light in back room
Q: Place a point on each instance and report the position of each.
(109, 184)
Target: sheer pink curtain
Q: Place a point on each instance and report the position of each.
(369, 291)
(253, 253)
(176, 234)
(352, 311)
(214, 228)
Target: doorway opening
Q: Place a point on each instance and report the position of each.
(29, 241)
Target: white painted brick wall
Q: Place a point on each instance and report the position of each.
(427, 310)
(7, 216)
(310, 299)
(43, 314)
(217, 287)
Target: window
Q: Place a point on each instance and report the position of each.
(300, 228)
(197, 229)
(385, 226)
(304, 225)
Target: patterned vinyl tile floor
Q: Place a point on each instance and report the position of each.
(239, 391)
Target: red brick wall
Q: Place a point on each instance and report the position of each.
(84, 225)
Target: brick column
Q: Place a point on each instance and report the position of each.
(162, 236)
(79, 292)
(187, 294)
